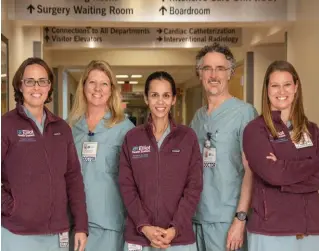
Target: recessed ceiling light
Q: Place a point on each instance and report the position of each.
(121, 76)
(136, 76)
(120, 82)
(133, 82)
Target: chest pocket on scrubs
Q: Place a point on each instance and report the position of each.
(225, 142)
(112, 158)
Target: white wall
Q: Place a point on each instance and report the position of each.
(263, 57)
(20, 43)
(303, 52)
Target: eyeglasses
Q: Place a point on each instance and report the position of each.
(218, 69)
(30, 82)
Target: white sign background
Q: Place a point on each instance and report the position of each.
(153, 10)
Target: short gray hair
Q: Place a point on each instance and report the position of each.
(215, 48)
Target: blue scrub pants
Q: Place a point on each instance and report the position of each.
(191, 247)
(15, 242)
(100, 239)
(258, 242)
(213, 236)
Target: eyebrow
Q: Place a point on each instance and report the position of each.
(286, 82)
(163, 93)
(93, 80)
(216, 66)
(38, 78)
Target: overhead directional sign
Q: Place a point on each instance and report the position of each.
(108, 37)
(153, 10)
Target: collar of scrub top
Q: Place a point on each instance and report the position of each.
(228, 103)
(50, 117)
(276, 116)
(149, 124)
(100, 127)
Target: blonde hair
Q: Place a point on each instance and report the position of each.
(297, 114)
(114, 102)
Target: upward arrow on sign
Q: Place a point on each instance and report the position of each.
(46, 29)
(30, 8)
(162, 9)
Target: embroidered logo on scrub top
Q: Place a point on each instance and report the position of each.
(141, 149)
(139, 152)
(281, 137)
(25, 133)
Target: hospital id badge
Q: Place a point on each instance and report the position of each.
(64, 240)
(209, 157)
(89, 151)
(304, 142)
(134, 247)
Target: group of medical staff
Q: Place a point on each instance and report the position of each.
(231, 181)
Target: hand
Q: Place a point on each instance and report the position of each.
(244, 160)
(80, 240)
(155, 236)
(170, 235)
(272, 157)
(235, 237)
(166, 239)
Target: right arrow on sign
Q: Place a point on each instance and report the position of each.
(162, 9)
(47, 38)
(159, 30)
(159, 39)
(30, 8)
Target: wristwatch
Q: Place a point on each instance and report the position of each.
(242, 216)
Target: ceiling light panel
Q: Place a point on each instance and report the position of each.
(136, 76)
(121, 76)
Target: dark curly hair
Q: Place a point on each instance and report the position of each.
(160, 75)
(16, 82)
(216, 47)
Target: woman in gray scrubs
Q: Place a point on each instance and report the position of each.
(99, 126)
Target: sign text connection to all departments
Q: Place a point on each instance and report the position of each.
(108, 37)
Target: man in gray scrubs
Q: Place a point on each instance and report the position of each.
(219, 222)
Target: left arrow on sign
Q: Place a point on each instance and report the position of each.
(30, 8)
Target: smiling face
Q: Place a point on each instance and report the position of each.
(160, 98)
(281, 90)
(214, 73)
(97, 89)
(34, 96)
